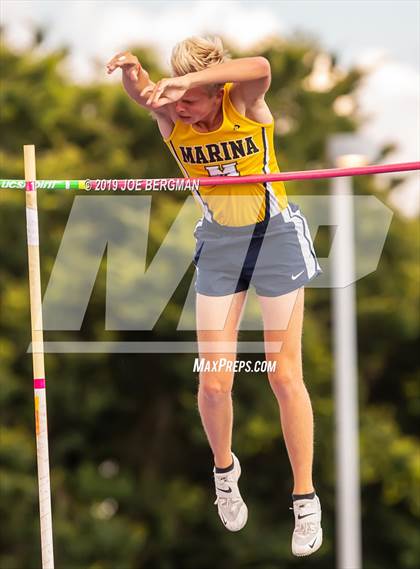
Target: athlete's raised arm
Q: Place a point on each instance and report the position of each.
(251, 75)
(135, 79)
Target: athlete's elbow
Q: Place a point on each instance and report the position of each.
(264, 66)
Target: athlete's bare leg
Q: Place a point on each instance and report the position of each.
(283, 321)
(218, 321)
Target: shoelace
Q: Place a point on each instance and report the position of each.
(305, 527)
(226, 501)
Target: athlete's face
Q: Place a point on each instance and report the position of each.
(198, 105)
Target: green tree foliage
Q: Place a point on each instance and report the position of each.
(131, 467)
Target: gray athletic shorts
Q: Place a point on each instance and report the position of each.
(276, 256)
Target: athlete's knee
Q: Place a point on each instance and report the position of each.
(214, 387)
(286, 377)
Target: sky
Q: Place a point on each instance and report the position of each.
(383, 36)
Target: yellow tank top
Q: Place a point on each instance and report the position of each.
(239, 147)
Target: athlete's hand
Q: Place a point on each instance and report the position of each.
(127, 62)
(166, 91)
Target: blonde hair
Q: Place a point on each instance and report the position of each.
(196, 53)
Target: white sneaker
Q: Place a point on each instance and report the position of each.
(307, 536)
(232, 509)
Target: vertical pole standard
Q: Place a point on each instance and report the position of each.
(38, 360)
(346, 380)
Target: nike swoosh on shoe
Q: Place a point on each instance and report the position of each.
(305, 515)
(223, 519)
(227, 491)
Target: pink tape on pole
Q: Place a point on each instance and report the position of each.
(39, 383)
(29, 186)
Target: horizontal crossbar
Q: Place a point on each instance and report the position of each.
(184, 184)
